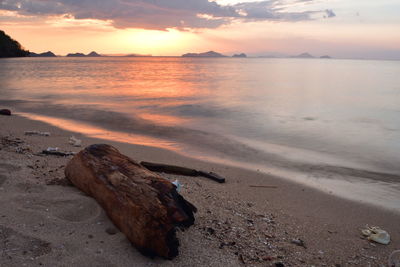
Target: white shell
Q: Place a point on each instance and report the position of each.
(74, 141)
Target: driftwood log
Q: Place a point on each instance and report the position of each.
(143, 205)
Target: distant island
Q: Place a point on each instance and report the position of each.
(307, 55)
(137, 55)
(45, 54)
(11, 48)
(91, 54)
(304, 55)
(240, 55)
(205, 54)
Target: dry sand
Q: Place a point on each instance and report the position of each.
(46, 222)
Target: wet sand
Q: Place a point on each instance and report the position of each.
(46, 222)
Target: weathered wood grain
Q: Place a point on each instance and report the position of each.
(143, 205)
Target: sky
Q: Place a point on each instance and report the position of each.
(340, 28)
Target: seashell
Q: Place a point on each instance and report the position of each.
(74, 141)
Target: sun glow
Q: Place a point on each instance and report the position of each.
(155, 42)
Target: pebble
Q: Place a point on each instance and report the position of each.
(298, 242)
(5, 112)
(111, 230)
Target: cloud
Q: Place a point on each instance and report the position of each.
(163, 14)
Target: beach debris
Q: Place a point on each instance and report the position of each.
(5, 112)
(112, 230)
(298, 242)
(376, 234)
(241, 258)
(74, 141)
(178, 185)
(264, 186)
(212, 175)
(30, 133)
(55, 152)
(394, 259)
(143, 205)
(166, 168)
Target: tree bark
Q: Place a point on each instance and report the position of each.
(143, 205)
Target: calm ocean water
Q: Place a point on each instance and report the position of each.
(334, 124)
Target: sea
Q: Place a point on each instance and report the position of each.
(332, 124)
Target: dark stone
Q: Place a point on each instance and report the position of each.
(5, 112)
(210, 230)
(279, 264)
(111, 231)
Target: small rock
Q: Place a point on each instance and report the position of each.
(279, 264)
(5, 112)
(111, 230)
(298, 242)
(210, 230)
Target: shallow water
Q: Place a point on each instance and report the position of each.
(323, 122)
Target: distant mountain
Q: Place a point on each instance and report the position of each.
(206, 54)
(304, 55)
(93, 54)
(240, 55)
(137, 55)
(76, 55)
(45, 54)
(326, 56)
(11, 48)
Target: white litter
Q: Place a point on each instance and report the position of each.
(178, 185)
(74, 141)
(376, 234)
(37, 133)
(52, 149)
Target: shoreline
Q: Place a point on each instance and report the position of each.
(270, 218)
(349, 181)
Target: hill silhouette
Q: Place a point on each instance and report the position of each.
(91, 54)
(304, 55)
(11, 48)
(45, 54)
(240, 55)
(206, 54)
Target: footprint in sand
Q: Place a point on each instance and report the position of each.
(72, 210)
(29, 187)
(5, 167)
(3, 178)
(16, 247)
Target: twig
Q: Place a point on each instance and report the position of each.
(158, 167)
(264, 186)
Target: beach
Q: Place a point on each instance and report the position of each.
(254, 219)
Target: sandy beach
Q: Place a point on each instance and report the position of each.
(44, 221)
